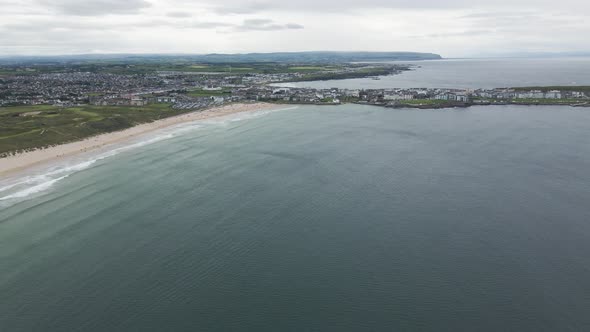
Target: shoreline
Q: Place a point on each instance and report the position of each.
(445, 105)
(23, 161)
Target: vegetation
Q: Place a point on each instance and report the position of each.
(284, 57)
(532, 101)
(310, 71)
(558, 88)
(132, 68)
(312, 68)
(359, 72)
(546, 101)
(31, 127)
(428, 102)
(208, 93)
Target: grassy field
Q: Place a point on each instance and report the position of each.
(311, 68)
(359, 72)
(419, 102)
(205, 93)
(544, 101)
(29, 127)
(558, 88)
(175, 66)
(534, 101)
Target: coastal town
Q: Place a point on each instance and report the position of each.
(49, 105)
(188, 91)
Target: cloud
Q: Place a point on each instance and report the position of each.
(210, 25)
(96, 7)
(179, 14)
(448, 27)
(467, 33)
(338, 6)
(266, 25)
(294, 26)
(240, 8)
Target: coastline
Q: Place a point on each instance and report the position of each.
(443, 105)
(26, 160)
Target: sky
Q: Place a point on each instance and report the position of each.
(452, 28)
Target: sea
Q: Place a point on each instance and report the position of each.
(310, 218)
(484, 73)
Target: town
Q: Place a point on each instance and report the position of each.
(199, 90)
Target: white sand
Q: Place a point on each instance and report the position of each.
(33, 158)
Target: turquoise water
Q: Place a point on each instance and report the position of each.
(344, 218)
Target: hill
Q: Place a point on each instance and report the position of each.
(282, 57)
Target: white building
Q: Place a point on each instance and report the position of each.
(535, 94)
(138, 101)
(554, 94)
(166, 99)
(398, 97)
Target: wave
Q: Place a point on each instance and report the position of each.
(33, 190)
(31, 185)
(17, 190)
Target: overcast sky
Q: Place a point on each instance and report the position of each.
(452, 28)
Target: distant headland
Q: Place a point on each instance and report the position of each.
(278, 57)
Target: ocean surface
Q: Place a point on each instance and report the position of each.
(337, 218)
(474, 73)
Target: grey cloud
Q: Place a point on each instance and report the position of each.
(460, 34)
(240, 7)
(96, 7)
(294, 26)
(491, 15)
(43, 26)
(266, 25)
(179, 14)
(353, 6)
(210, 25)
(257, 21)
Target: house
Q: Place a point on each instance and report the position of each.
(138, 101)
(553, 94)
(165, 99)
(445, 96)
(399, 97)
(534, 94)
(281, 91)
(461, 97)
(217, 99)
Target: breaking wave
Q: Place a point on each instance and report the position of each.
(15, 190)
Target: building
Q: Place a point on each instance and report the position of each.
(138, 101)
(553, 94)
(165, 99)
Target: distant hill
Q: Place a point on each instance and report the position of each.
(320, 57)
(292, 57)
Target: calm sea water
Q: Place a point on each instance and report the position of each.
(475, 73)
(344, 218)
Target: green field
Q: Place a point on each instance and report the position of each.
(558, 88)
(140, 68)
(205, 93)
(544, 101)
(312, 68)
(418, 102)
(28, 127)
(357, 72)
(535, 101)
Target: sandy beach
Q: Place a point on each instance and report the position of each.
(25, 160)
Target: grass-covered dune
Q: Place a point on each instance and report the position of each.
(30, 127)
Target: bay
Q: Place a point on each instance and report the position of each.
(473, 74)
(336, 218)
